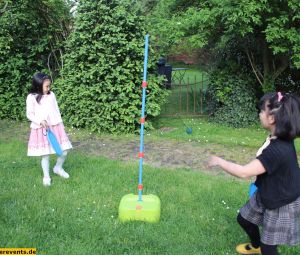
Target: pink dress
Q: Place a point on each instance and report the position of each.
(48, 110)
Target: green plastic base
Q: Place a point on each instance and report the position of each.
(131, 209)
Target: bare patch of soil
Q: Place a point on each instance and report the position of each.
(163, 153)
(192, 155)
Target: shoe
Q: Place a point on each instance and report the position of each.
(46, 181)
(247, 248)
(61, 172)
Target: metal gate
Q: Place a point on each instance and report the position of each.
(186, 98)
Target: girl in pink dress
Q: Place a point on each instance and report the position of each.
(43, 112)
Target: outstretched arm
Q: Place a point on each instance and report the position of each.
(253, 168)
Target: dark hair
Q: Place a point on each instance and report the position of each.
(286, 111)
(37, 85)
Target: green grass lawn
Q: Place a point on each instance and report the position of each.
(193, 72)
(80, 215)
(207, 132)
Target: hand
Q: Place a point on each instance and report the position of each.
(213, 161)
(44, 124)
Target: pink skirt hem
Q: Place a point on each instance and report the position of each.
(38, 144)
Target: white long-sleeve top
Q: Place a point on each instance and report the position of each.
(47, 109)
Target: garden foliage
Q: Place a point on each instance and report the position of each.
(268, 31)
(261, 37)
(29, 32)
(100, 84)
(232, 98)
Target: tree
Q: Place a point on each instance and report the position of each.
(267, 30)
(100, 83)
(29, 32)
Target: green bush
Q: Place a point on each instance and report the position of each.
(232, 99)
(289, 81)
(29, 32)
(100, 84)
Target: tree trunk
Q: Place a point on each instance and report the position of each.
(273, 67)
(268, 80)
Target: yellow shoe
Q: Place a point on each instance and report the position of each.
(247, 248)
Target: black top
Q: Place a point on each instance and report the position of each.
(280, 184)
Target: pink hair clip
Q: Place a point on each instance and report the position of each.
(280, 96)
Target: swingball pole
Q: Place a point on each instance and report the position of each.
(141, 207)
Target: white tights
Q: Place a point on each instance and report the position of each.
(45, 162)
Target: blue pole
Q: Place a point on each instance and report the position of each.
(141, 153)
(146, 59)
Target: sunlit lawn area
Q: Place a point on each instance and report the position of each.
(80, 215)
